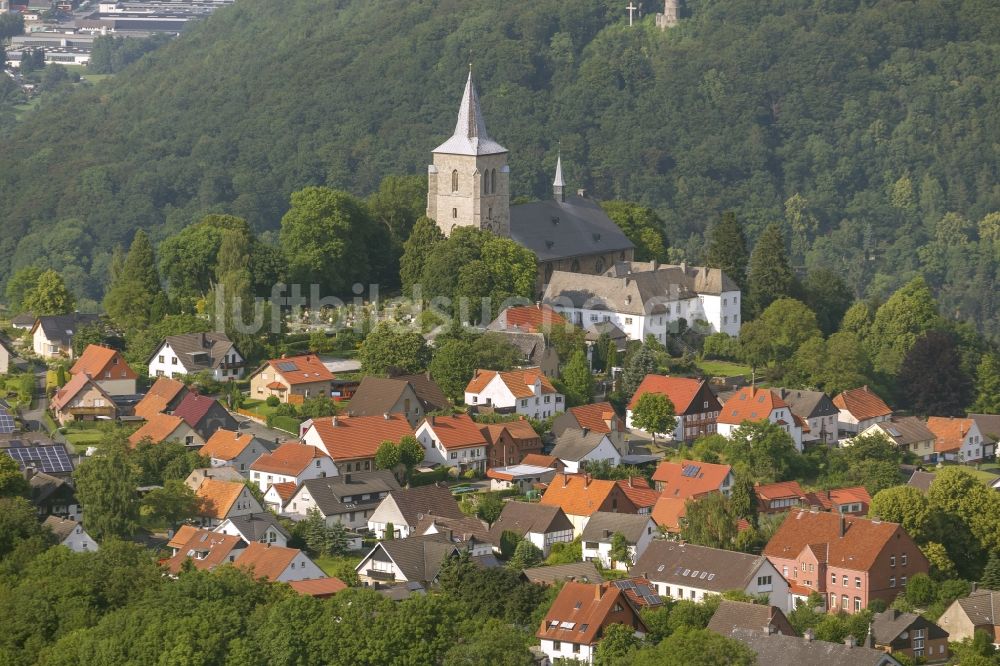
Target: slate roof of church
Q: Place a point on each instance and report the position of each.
(470, 137)
(560, 229)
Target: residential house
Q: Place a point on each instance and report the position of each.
(251, 527)
(536, 318)
(349, 499)
(204, 415)
(224, 499)
(199, 474)
(759, 404)
(989, 428)
(164, 428)
(8, 416)
(645, 298)
(860, 409)
(527, 392)
(957, 439)
(816, 414)
(732, 615)
(522, 477)
(850, 561)
(277, 564)
(908, 433)
(71, 534)
(352, 441)
(778, 497)
(195, 353)
(669, 513)
(686, 571)
(638, 491)
(320, 588)
(414, 560)
(163, 396)
(921, 480)
(854, 500)
(292, 462)
(6, 357)
(300, 376)
(52, 335)
(580, 496)
(108, 369)
(205, 549)
(776, 649)
(278, 496)
(49, 458)
(598, 537)
(695, 405)
(910, 634)
(470, 531)
(540, 524)
(557, 574)
(227, 448)
(692, 478)
(536, 352)
(413, 397)
(52, 496)
(980, 611)
(575, 448)
(596, 417)
(404, 508)
(453, 441)
(539, 460)
(24, 321)
(578, 617)
(640, 592)
(82, 399)
(508, 443)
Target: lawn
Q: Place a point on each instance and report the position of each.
(83, 438)
(722, 368)
(337, 566)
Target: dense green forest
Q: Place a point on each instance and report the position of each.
(868, 128)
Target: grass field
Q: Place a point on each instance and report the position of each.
(339, 567)
(722, 368)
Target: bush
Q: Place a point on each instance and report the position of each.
(286, 423)
(286, 409)
(427, 478)
(722, 347)
(272, 401)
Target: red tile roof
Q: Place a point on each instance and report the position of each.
(596, 417)
(668, 513)
(225, 444)
(193, 408)
(285, 490)
(217, 497)
(205, 549)
(780, 490)
(538, 460)
(265, 560)
(184, 532)
(73, 388)
(533, 318)
(578, 495)
(857, 549)
(289, 459)
(307, 369)
(949, 433)
(751, 404)
(680, 390)
(520, 430)
(638, 491)
(456, 432)
(831, 499)
(519, 382)
(862, 403)
(581, 610)
(320, 588)
(97, 360)
(351, 437)
(159, 428)
(159, 396)
(675, 482)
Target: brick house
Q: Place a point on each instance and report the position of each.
(695, 405)
(508, 443)
(292, 379)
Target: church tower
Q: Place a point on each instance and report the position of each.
(469, 182)
(671, 15)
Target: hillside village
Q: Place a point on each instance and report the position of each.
(554, 447)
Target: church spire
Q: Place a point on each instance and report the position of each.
(470, 137)
(558, 185)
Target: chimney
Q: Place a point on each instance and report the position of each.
(565, 479)
(849, 641)
(432, 419)
(630, 481)
(585, 431)
(385, 415)
(598, 592)
(808, 635)
(29, 472)
(586, 480)
(684, 267)
(333, 421)
(843, 525)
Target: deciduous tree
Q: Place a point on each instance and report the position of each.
(49, 296)
(931, 378)
(578, 380)
(106, 487)
(390, 346)
(654, 413)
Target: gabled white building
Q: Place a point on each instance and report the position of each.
(527, 392)
(757, 404)
(193, 353)
(598, 535)
(71, 534)
(644, 299)
(576, 447)
(292, 462)
(453, 441)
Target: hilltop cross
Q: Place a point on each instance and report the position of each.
(631, 9)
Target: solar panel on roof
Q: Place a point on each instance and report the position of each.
(286, 366)
(6, 421)
(49, 459)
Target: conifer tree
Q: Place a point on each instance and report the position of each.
(727, 249)
(988, 385)
(416, 249)
(136, 297)
(642, 363)
(991, 574)
(771, 275)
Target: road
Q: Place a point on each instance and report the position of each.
(260, 431)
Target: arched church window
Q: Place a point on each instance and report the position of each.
(575, 266)
(493, 181)
(489, 213)
(454, 212)
(486, 182)
(599, 265)
(454, 180)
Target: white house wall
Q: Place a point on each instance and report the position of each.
(301, 568)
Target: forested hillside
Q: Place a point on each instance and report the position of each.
(870, 128)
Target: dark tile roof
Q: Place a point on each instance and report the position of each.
(427, 390)
(906, 430)
(199, 351)
(419, 558)
(582, 572)
(989, 425)
(732, 615)
(718, 570)
(335, 495)
(781, 650)
(61, 328)
(254, 525)
(61, 527)
(415, 503)
(43, 486)
(466, 528)
(603, 524)
(982, 607)
(921, 480)
(886, 627)
(576, 443)
(572, 228)
(523, 517)
(808, 404)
